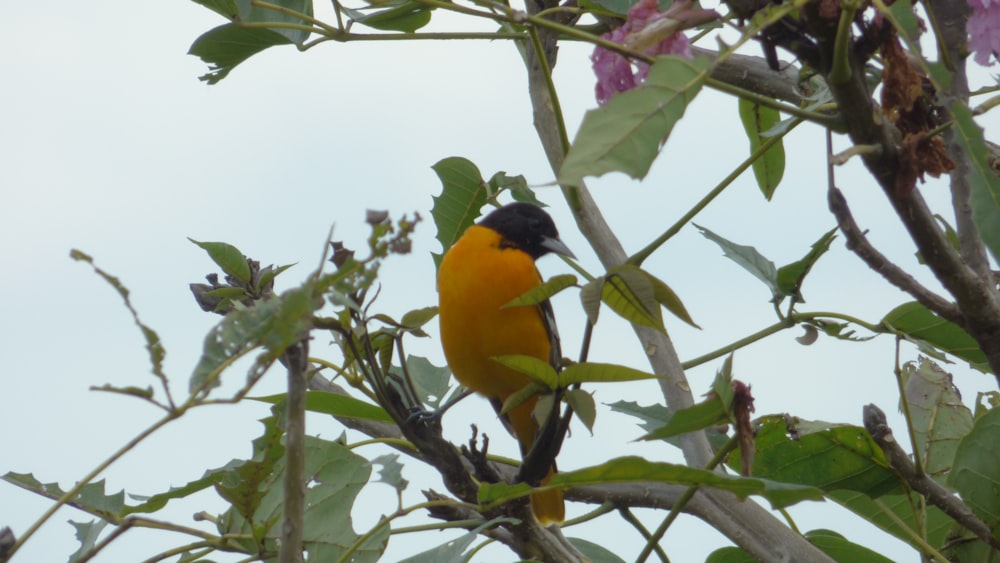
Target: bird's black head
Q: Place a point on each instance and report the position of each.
(528, 228)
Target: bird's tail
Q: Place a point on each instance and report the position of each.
(548, 506)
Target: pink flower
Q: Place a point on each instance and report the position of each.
(984, 30)
(650, 31)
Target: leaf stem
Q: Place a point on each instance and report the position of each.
(639, 257)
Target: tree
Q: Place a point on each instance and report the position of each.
(925, 127)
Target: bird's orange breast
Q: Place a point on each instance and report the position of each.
(476, 278)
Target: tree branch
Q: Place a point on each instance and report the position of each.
(745, 523)
(293, 519)
(876, 425)
(858, 243)
(976, 298)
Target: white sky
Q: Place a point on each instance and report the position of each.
(111, 145)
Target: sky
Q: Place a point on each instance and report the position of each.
(111, 145)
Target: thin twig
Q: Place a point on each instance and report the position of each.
(858, 243)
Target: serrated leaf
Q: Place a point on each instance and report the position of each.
(769, 168)
(938, 416)
(225, 47)
(596, 372)
(710, 412)
(274, 324)
(539, 371)
(983, 182)
(638, 470)
(918, 323)
(831, 457)
(627, 133)
(541, 292)
(334, 404)
(791, 276)
(583, 405)
(87, 533)
(430, 381)
(975, 472)
(630, 293)
(463, 194)
(391, 472)
(749, 259)
(227, 257)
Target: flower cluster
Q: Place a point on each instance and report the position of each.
(649, 31)
(984, 30)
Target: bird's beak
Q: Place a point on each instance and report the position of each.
(557, 246)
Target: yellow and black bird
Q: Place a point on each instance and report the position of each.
(490, 265)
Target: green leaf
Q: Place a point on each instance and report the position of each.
(831, 457)
(770, 166)
(749, 259)
(463, 194)
(889, 510)
(594, 552)
(334, 404)
(791, 276)
(532, 390)
(939, 418)
(91, 497)
(651, 417)
(583, 405)
(590, 298)
(337, 475)
(666, 297)
(406, 16)
(619, 7)
(983, 182)
(391, 472)
(225, 47)
(638, 470)
(975, 473)
(454, 550)
(430, 381)
(227, 257)
(87, 533)
(539, 371)
(730, 555)
(709, 412)
(630, 293)
(250, 13)
(839, 549)
(274, 324)
(917, 323)
(626, 134)
(540, 293)
(418, 317)
(596, 372)
(245, 484)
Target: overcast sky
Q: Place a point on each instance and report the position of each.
(111, 145)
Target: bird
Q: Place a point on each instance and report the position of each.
(491, 264)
